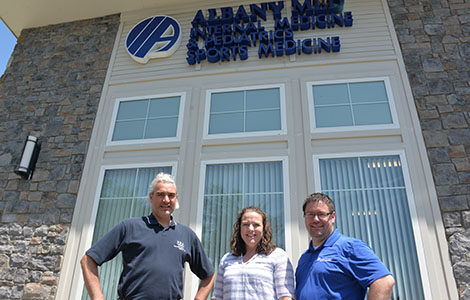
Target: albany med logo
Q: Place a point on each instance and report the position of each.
(157, 36)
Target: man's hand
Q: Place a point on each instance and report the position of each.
(381, 289)
(92, 280)
(205, 287)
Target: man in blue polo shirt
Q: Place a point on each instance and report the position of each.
(336, 266)
(154, 249)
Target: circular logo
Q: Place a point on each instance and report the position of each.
(157, 36)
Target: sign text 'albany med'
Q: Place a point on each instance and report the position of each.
(228, 35)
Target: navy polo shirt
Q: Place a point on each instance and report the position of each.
(341, 268)
(153, 257)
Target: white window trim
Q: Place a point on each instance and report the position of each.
(200, 200)
(411, 203)
(179, 125)
(391, 102)
(282, 95)
(88, 236)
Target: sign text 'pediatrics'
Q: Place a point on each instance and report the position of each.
(227, 33)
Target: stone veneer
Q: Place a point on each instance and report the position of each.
(50, 90)
(435, 41)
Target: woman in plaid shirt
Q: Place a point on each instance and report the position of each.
(255, 268)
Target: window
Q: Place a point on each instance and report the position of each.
(124, 194)
(350, 104)
(245, 111)
(147, 119)
(228, 188)
(372, 205)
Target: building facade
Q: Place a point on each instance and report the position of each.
(370, 107)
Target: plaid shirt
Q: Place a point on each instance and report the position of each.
(262, 277)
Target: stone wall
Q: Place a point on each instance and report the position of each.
(50, 90)
(435, 41)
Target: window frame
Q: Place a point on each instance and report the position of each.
(286, 196)
(90, 229)
(391, 102)
(179, 124)
(282, 107)
(409, 194)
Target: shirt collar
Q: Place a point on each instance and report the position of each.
(330, 241)
(151, 220)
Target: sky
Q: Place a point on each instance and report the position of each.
(7, 43)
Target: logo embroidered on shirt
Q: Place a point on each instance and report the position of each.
(325, 259)
(179, 245)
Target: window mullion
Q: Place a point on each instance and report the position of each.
(350, 104)
(243, 184)
(244, 111)
(144, 132)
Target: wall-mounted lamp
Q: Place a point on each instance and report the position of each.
(29, 158)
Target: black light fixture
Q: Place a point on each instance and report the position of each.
(29, 157)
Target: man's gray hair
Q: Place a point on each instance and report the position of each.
(161, 177)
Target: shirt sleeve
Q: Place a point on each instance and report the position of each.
(218, 291)
(199, 262)
(283, 275)
(107, 247)
(364, 265)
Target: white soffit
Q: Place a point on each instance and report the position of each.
(21, 14)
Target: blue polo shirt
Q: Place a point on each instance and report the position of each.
(153, 257)
(341, 268)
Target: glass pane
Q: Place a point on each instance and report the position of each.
(374, 208)
(348, 178)
(331, 116)
(273, 206)
(330, 94)
(368, 92)
(231, 187)
(164, 107)
(220, 213)
(118, 183)
(129, 130)
(263, 120)
(227, 102)
(160, 128)
(372, 114)
(259, 99)
(132, 110)
(224, 179)
(135, 112)
(382, 172)
(143, 181)
(263, 177)
(124, 194)
(226, 123)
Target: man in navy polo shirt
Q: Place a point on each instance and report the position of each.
(154, 249)
(336, 266)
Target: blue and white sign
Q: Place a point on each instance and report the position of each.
(154, 37)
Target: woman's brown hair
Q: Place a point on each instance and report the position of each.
(265, 246)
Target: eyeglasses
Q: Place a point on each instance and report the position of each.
(160, 195)
(321, 216)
